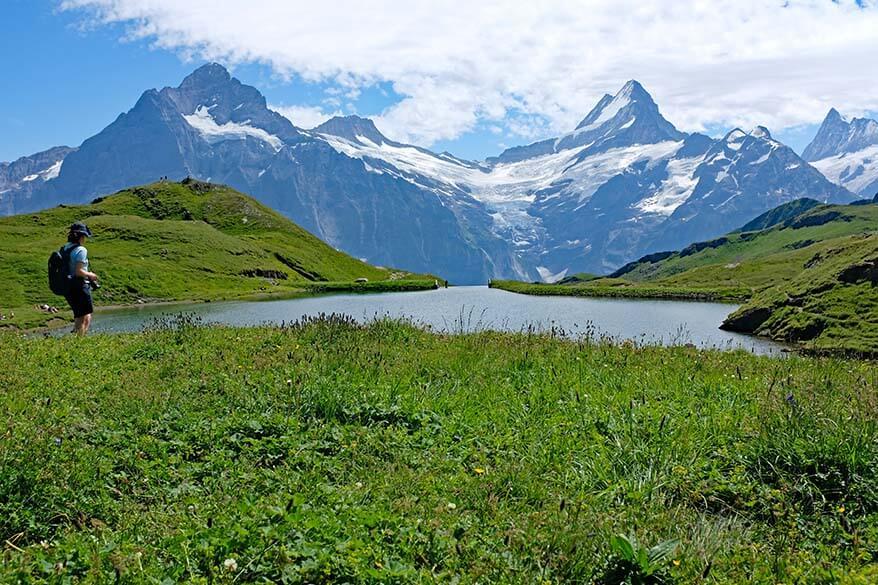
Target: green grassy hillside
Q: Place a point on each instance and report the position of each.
(832, 303)
(175, 241)
(330, 452)
(801, 273)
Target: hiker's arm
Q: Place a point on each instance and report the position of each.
(81, 272)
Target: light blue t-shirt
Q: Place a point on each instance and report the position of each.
(77, 256)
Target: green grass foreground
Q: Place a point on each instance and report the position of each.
(332, 452)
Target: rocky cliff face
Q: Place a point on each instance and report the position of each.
(20, 178)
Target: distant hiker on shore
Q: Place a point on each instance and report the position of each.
(69, 276)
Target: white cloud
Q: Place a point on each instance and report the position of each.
(306, 117)
(457, 62)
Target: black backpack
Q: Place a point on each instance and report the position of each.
(60, 278)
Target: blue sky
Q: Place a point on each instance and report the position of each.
(68, 82)
(69, 72)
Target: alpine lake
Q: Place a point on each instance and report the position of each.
(467, 309)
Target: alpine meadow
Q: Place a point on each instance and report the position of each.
(406, 293)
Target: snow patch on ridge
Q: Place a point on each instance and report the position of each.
(53, 171)
(212, 132)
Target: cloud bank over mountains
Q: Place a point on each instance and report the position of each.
(535, 68)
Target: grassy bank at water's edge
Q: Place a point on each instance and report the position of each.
(613, 288)
(335, 452)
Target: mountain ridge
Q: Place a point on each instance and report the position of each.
(623, 183)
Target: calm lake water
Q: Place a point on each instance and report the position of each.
(471, 308)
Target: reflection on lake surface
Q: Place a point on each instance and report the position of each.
(471, 308)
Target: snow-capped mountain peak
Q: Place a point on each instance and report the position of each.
(629, 117)
(846, 152)
(609, 107)
(839, 135)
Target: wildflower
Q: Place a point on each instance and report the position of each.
(359, 484)
(451, 506)
(231, 565)
(841, 509)
(676, 562)
(479, 471)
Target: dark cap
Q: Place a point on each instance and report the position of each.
(80, 228)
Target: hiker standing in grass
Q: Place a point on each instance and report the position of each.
(82, 281)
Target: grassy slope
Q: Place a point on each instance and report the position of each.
(821, 305)
(338, 453)
(769, 267)
(169, 241)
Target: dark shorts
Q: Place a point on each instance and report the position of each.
(79, 299)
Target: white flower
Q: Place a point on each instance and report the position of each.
(230, 565)
(451, 506)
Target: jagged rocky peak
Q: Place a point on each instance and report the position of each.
(352, 128)
(839, 135)
(846, 152)
(625, 119)
(212, 87)
(630, 102)
(629, 117)
(219, 105)
(834, 117)
(207, 75)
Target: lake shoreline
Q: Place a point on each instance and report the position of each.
(311, 290)
(466, 309)
(730, 296)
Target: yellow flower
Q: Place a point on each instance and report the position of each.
(479, 470)
(676, 562)
(841, 509)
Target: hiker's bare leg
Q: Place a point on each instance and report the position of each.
(81, 324)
